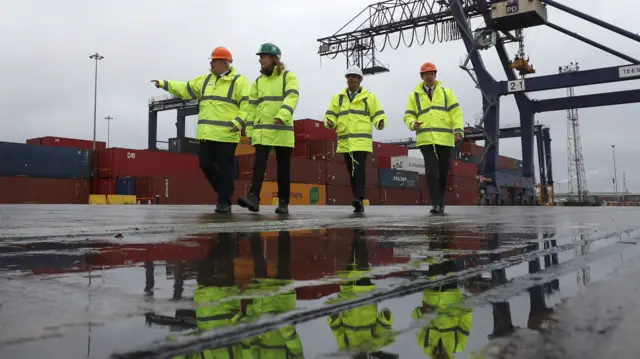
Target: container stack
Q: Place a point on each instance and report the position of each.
(46, 171)
(48, 174)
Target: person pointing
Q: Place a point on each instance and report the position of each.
(223, 96)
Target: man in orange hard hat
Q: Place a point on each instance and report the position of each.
(434, 114)
(224, 100)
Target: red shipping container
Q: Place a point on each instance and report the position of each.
(327, 148)
(308, 129)
(106, 186)
(66, 142)
(183, 190)
(371, 179)
(373, 195)
(308, 171)
(468, 147)
(124, 162)
(507, 163)
(464, 184)
(301, 150)
(339, 195)
(424, 190)
(389, 150)
(372, 160)
(384, 161)
(460, 198)
(18, 190)
(337, 174)
(400, 196)
(463, 169)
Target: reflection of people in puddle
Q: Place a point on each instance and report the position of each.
(216, 281)
(448, 332)
(363, 328)
(285, 341)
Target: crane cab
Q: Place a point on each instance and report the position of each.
(518, 14)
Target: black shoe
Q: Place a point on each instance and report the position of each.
(435, 209)
(223, 208)
(251, 201)
(283, 207)
(441, 208)
(358, 207)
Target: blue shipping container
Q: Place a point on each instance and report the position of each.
(392, 178)
(17, 159)
(511, 178)
(126, 186)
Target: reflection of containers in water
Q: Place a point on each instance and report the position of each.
(301, 194)
(407, 163)
(392, 178)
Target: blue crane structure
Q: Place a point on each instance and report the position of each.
(451, 21)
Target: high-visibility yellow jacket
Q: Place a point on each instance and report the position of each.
(279, 343)
(441, 117)
(219, 314)
(452, 324)
(272, 97)
(353, 120)
(224, 102)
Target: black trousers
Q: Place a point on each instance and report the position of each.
(283, 158)
(436, 163)
(216, 162)
(359, 176)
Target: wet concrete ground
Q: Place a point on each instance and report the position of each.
(159, 281)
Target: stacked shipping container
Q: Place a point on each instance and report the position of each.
(319, 175)
(32, 173)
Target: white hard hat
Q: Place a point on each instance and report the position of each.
(354, 70)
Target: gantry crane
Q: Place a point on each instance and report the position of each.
(448, 20)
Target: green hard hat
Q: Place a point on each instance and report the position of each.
(269, 49)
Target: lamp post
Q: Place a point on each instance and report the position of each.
(108, 118)
(615, 173)
(96, 57)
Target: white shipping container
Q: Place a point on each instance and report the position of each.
(407, 163)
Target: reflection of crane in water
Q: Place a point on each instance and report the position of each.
(583, 276)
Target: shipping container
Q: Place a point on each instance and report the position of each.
(507, 163)
(125, 162)
(373, 195)
(384, 161)
(389, 150)
(470, 148)
(372, 160)
(244, 149)
(301, 194)
(308, 171)
(400, 196)
(509, 179)
(461, 198)
(406, 163)
(301, 150)
(106, 186)
(22, 190)
(183, 190)
(339, 195)
(185, 145)
(424, 190)
(126, 186)
(308, 129)
(44, 161)
(245, 168)
(392, 178)
(326, 148)
(67, 142)
(337, 174)
(463, 169)
(371, 177)
(465, 184)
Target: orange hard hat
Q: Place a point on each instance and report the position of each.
(221, 53)
(428, 67)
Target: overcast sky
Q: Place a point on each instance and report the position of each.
(49, 78)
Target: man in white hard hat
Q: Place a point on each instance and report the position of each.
(352, 113)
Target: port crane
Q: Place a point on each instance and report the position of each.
(449, 20)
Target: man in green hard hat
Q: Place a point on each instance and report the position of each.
(273, 99)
